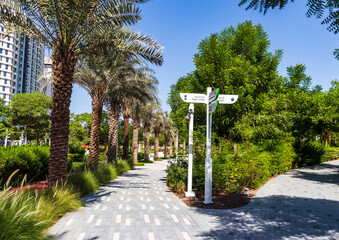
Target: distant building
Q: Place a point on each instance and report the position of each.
(21, 64)
(48, 76)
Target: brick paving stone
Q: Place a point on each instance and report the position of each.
(302, 204)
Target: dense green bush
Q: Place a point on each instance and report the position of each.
(141, 155)
(83, 181)
(104, 173)
(77, 149)
(308, 153)
(31, 160)
(250, 166)
(75, 157)
(177, 176)
(124, 166)
(331, 153)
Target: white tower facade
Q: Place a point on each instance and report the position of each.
(21, 64)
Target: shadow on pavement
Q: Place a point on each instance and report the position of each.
(276, 217)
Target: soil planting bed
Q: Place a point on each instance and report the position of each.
(222, 201)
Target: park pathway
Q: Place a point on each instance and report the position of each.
(302, 204)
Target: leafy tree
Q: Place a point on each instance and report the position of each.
(32, 111)
(315, 8)
(237, 61)
(68, 27)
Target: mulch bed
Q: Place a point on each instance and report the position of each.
(222, 201)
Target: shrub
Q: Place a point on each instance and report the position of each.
(147, 161)
(123, 166)
(30, 160)
(104, 173)
(141, 155)
(83, 181)
(177, 176)
(331, 153)
(308, 153)
(75, 157)
(158, 160)
(139, 164)
(76, 150)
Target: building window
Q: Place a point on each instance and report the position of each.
(4, 74)
(6, 52)
(7, 59)
(8, 46)
(6, 67)
(5, 81)
(9, 38)
(4, 96)
(3, 89)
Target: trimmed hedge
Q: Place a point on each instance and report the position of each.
(31, 160)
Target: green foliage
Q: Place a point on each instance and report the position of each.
(147, 161)
(139, 164)
(76, 149)
(104, 173)
(331, 153)
(75, 157)
(158, 160)
(30, 160)
(141, 156)
(31, 110)
(27, 215)
(83, 181)
(124, 166)
(308, 153)
(177, 176)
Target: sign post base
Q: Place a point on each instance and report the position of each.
(189, 194)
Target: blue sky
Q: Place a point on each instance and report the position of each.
(179, 26)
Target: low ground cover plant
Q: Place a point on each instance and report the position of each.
(27, 214)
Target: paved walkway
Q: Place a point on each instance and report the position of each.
(303, 204)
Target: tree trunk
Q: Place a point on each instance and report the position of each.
(136, 124)
(147, 130)
(114, 113)
(63, 70)
(171, 146)
(127, 115)
(166, 144)
(184, 147)
(37, 138)
(97, 105)
(156, 144)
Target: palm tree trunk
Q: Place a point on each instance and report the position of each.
(114, 113)
(156, 144)
(147, 130)
(63, 71)
(171, 146)
(97, 105)
(127, 115)
(136, 124)
(166, 143)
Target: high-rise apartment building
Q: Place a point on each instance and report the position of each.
(21, 64)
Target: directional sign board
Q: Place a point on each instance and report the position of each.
(213, 106)
(193, 97)
(227, 99)
(213, 95)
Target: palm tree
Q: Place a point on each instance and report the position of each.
(65, 26)
(134, 82)
(157, 123)
(168, 131)
(146, 117)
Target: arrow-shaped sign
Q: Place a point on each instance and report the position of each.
(213, 95)
(213, 106)
(193, 97)
(227, 99)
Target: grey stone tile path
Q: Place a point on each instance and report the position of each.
(302, 204)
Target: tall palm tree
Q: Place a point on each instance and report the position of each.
(168, 131)
(146, 118)
(157, 123)
(135, 82)
(65, 26)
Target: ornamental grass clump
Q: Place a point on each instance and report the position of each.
(83, 181)
(27, 214)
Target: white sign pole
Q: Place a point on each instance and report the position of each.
(208, 160)
(189, 192)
